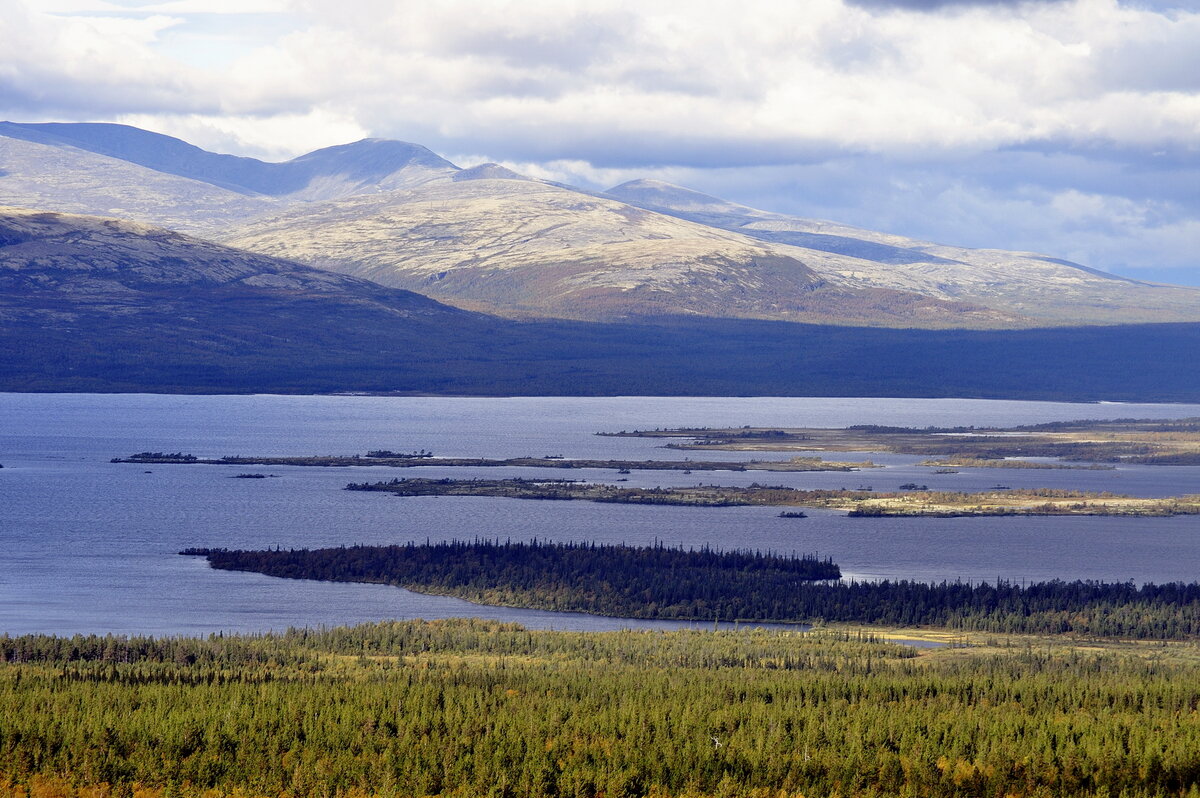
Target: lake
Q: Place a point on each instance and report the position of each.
(90, 546)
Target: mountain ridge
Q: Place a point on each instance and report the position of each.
(107, 305)
(356, 167)
(490, 239)
(530, 248)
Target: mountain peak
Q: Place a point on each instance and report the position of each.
(342, 170)
(373, 155)
(489, 171)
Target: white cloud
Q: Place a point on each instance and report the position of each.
(234, 7)
(272, 138)
(857, 112)
(554, 79)
(89, 65)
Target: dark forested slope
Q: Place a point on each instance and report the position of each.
(91, 304)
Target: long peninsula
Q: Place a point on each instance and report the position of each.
(858, 503)
(393, 460)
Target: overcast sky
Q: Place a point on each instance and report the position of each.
(1068, 127)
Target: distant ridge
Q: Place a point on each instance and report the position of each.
(489, 239)
(342, 170)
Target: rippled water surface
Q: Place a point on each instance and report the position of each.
(89, 546)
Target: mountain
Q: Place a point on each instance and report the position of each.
(488, 239)
(1031, 285)
(68, 179)
(121, 171)
(95, 304)
(529, 248)
(344, 170)
(94, 298)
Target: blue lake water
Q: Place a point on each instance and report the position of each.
(90, 546)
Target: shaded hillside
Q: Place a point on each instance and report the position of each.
(101, 303)
(93, 304)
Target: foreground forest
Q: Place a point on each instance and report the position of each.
(472, 708)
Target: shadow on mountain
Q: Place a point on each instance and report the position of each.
(265, 344)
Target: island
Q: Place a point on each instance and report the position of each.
(708, 584)
(393, 460)
(1132, 441)
(626, 581)
(861, 503)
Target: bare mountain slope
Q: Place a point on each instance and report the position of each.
(344, 170)
(70, 180)
(59, 269)
(1025, 283)
(119, 171)
(526, 247)
(488, 238)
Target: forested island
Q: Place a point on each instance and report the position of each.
(394, 460)
(864, 503)
(1133, 441)
(705, 585)
(628, 581)
(461, 709)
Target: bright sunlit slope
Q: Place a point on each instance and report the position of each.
(489, 239)
(1036, 286)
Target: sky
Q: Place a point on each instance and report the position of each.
(1066, 127)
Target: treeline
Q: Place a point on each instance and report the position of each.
(1129, 424)
(666, 583)
(477, 709)
(631, 581)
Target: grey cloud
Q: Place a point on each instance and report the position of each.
(1017, 200)
(582, 42)
(1008, 201)
(52, 97)
(864, 51)
(1153, 63)
(1160, 5)
(692, 84)
(1117, 208)
(1146, 174)
(616, 149)
(936, 5)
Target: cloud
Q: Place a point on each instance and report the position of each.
(616, 82)
(1063, 205)
(988, 123)
(935, 5)
(78, 66)
(272, 138)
